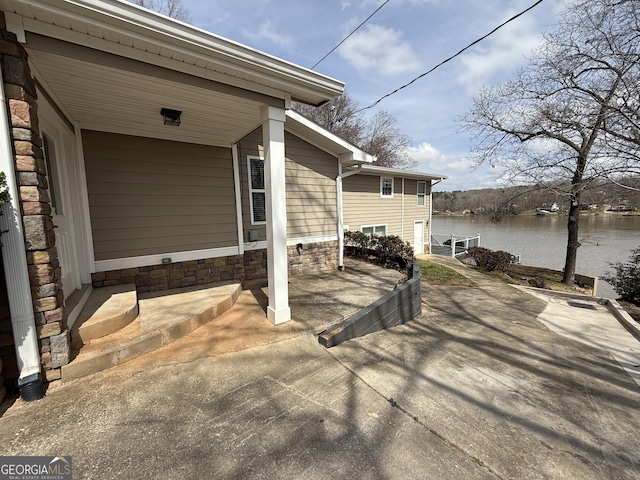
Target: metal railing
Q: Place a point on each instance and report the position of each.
(453, 245)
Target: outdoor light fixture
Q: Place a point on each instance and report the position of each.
(170, 117)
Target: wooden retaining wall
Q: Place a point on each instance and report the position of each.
(395, 308)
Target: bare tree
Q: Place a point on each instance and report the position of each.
(386, 142)
(170, 8)
(339, 116)
(569, 117)
(378, 136)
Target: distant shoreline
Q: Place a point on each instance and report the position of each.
(532, 213)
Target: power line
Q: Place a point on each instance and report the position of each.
(352, 32)
(451, 57)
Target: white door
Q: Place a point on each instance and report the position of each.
(52, 144)
(418, 237)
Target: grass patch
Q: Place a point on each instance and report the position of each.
(521, 274)
(436, 274)
(504, 276)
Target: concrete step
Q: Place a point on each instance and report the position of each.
(107, 310)
(164, 317)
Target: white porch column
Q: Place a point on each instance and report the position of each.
(273, 119)
(340, 212)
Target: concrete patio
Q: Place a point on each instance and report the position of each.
(227, 319)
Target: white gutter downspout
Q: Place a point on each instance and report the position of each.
(402, 212)
(15, 261)
(339, 178)
(431, 207)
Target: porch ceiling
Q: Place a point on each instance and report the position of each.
(119, 28)
(110, 65)
(101, 97)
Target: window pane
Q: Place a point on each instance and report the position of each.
(259, 207)
(422, 188)
(420, 200)
(386, 187)
(380, 230)
(257, 174)
(367, 231)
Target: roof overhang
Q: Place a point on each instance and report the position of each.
(396, 172)
(121, 28)
(348, 154)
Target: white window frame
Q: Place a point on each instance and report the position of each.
(423, 195)
(382, 179)
(374, 226)
(255, 190)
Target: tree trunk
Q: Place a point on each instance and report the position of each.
(569, 275)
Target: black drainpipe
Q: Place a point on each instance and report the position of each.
(31, 388)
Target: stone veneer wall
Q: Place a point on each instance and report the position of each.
(312, 258)
(255, 264)
(174, 275)
(42, 257)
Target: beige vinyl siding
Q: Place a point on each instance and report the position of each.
(413, 212)
(310, 186)
(362, 204)
(149, 196)
(311, 190)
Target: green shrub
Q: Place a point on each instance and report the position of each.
(390, 251)
(626, 280)
(393, 247)
(491, 260)
(359, 241)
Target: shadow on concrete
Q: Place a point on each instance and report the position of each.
(474, 388)
(479, 371)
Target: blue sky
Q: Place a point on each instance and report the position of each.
(404, 39)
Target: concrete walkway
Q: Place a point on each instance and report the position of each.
(475, 388)
(588, 321)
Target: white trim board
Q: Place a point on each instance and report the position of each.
(306, 240)
(148, 260)
(261, 245)
(293, 241)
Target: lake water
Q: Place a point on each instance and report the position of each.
(542, 240)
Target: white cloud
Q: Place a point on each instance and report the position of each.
(459, 168)
(270, 33)
(501, 53)
(379, 48)
(432, 160)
